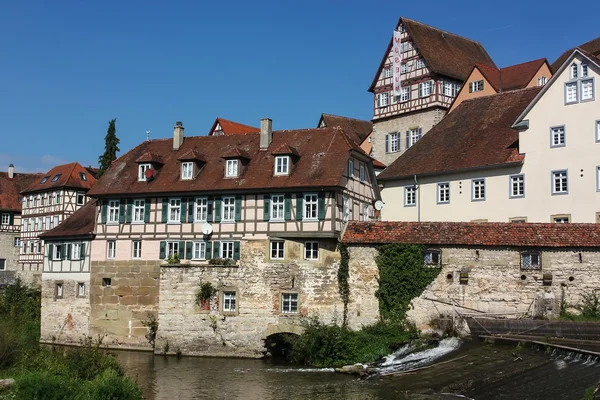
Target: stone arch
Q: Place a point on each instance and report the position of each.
(273, 329)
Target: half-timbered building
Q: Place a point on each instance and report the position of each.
(222, 126)
(434, 65)
(46, 203)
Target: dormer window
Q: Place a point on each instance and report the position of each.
(231, 170)
(56, 177)
(573, 70)
(187, 170)
(584, 70)
(218, 132)
(82, 176)
(142, 171)
(282, 165)
(44, 180)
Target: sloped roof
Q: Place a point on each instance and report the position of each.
(491, 74)
(70, 176)
(475, 135)
(232, 127)
(357, 129)
(512, 77)
(323, 156)
(10, 189)
(445, 53)
(80, 223)
(474, 234)
(592, 47)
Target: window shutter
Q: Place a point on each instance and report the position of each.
(407, 140)
(288, 207)
(82, 251)
(11, 219)
(267, 208)
(183, 212)
(218, 210)
(420, 133)
(299, 206)
(163, 254)
(128, 215)
(165, 209)
(50, 249)
(208, 250)
(68, 251)
(321, 206)
(236, 250)
(216, 250)
(122, 203)
(191, 208)
(471, 87)
(387, 143)
(147, 204)
(181, 250)
(209, 211)
(189, 249)
(238, 208)
(104, 211)
(64, 251)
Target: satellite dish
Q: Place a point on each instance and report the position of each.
(378, 205)
(149, 173)
(206, 228)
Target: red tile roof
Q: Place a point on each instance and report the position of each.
(323, 155)
(491, 74)
(80, 223)
(357, 129)
(445, 53)
(592, 47)
(513, 77)
(477, 134)
(10, 189)
(150, 158)
(378, 164)
(69, 177)
(474, 234)
(232, 128)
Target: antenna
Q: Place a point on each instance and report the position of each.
(147, 135)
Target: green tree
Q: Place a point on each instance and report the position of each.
(111, 147)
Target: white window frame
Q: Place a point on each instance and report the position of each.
(598, 178)
(187, 170)
(80, 289)
(277, 211)
(201, 209)
(414, 136)
(404, 95)
(478, 189)
(383, 99)
(346, 210)
(111, 249)
(136, 249)
(432, 257)
(387, 72)
(476, 86)
(597, 131)
(172, 248)
(542, 80)
(40, 224)
(587, 95)
(571, 96)
(277, 250)
(289, 303)
(425, 89)
(112, 214)
(282, 165)
(410, 196)
(59, 290)
(174, 210)
(535, 260)
(2, 264)
(517, 186)
(558, 136)
(574, 71)
(561, 220)
(138, 211)
(351, 168)
(311, 251)
(443, 193)
(311, 207)
(48, 223)
(5, 219)
(57, 197)
(394, 142)
(420, 63)
(142, 171)
(232, 168)
(226, 249)
(228, 209)
(366, 214)
(362, 172)
(55, 221)
(80, 195)
(57, 252)
(584, 70)
(560, 177)
(404, 68)
(229, 301)
(199, 250)
(25, 225)
(76, 251)
(451, 89)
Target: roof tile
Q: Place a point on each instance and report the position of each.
(10, 189)
(80, 223)
(69, 175)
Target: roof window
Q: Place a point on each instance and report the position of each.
(56, 177)
(82, 176)
(44, 180)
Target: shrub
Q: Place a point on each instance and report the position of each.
(590, 306)
(43, 385)
(110, 386)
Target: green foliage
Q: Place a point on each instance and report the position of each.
(590, 306)
(402, 277)
(152, 324)
(206, 292)
(44, 385)
(334, 346)
(225, 262)
(110, 386)
(174, 259)
(21, 302)
(342, 276)
(111, 147)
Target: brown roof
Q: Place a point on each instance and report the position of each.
(80, 223)
(474, 234)
(491, 74)
(357, 129)
(445, 53)
(513, 77)
(10, 189)
(70, 176)
(323, 155)
(477, 134)
(592, 47)
(378, 164)
(232, 128)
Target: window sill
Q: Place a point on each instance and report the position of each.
(200, 221)
(229, 221)
(477, 199)
(586, 100)
(310, 219)
(410, 205)
(560, 193)
(557, 146)
(517, 197)
(174, 222)
(281, 174)
(312, 259)
(112, 223)
(277, 220)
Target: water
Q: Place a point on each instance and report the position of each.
(476, 371)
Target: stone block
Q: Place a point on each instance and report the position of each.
(128, 300)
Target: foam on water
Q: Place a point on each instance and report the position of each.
(404, 358)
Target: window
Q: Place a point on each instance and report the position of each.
(57, 198)
(382, 99)
(560, 182)
(410, 196)
(35, 201)
(229, 301)
(476, 86)
(597, 131)
(351, 168)
(443, 192)
(174, 210)
(517, 186)
(403, 68)
(451, 89)
(44, 180)
(81, 289)
(227, 250)
(311, 206)
(571, 92)
(587, 89)
(413, 136)
(111, 249)
(55, 221)
(59, 290)
(420, 64)
(362, 172)
(17, 242)
(2, 264)
(282, 165)
(39, 224)
(557, 136)
(573, 71)
(366, 212)
(113, 212)
(228, 209)
(201, 209)
(82, 176)
(431, 257)
(289, 303)
(31, 247)
(561, 219)
(598, 179)
(542, 80)
(25, 225)
(277, 207)
(346, 209)
(76, 251)
(44, 199)
(137, 249)
(142, 171)
(404, 95)
(518, 219)
(139, 207)
(584, 70)
(49, 223)
(172, 249)
(57, 252)
(232, 169)
(199, 251)
(531, 260)
(80, 199)
(187, 170)
(277, 248)
(425, 89)
(387, 72)
(311, 250)
(56, 177)
(5, 219)
(394, 142)
(478, 187)
(106, 281)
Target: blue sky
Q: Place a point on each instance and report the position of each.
(68, 67)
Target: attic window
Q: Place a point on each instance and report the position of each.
(82, 176)
(44, 180)
(231, 170)
(282, 164)
(187, 170)
(142, 171)
(476, 86)
(218, 132)
(56, 177)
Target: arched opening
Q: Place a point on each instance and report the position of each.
(278, 345)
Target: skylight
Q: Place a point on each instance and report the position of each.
(44, 180)
(82, 176)
(56, 177)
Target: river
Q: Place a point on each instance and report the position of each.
(478, 371)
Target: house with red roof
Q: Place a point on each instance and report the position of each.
(222, 126)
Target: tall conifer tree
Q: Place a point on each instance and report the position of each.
(111, 147)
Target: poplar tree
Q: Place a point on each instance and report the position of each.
(111, 147)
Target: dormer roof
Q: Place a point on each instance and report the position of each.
(231, 127)
(235, 152)
(192, 155)
(285, 149)
(150, 158)
(71, 175)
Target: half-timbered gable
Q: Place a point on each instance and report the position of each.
(223, 126)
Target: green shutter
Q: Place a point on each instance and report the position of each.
(64, 251)
(216, 247)
(288, 207)
(165, 209)
(209, 210)
(104, 211)
(11, 219)
(122, 203)
(191, 207)
(236, 250)
(183, 212)
(470, 87)
(189, 250)
(128, 215)
(321, 206)
(238, 208)
(50, 248)
(267, 207)
(68, 251)
(82, 251)
(208, 254)
(163, 254)
(299, 206)
(147, 204)
(217, 210)
(181, 250)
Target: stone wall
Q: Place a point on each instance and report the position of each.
(9, 252)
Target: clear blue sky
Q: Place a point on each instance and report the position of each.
(67, 67)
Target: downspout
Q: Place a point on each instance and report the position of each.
(418, 199)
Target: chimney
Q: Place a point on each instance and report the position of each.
(266, 133)
(11, 171)
(177, 135)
